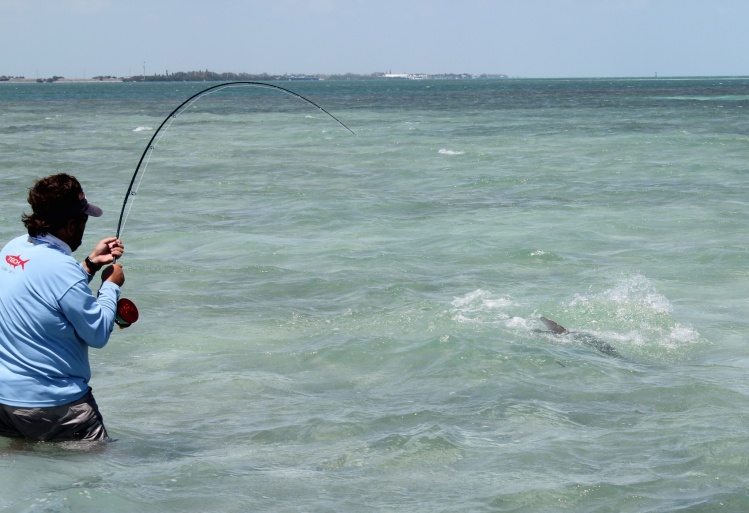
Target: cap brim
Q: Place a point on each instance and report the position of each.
(93, 210)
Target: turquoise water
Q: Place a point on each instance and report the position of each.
(343, 323)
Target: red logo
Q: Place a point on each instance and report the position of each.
(15, 261)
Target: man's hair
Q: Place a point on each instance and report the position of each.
(54, 201)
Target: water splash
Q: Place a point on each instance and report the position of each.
(631, 311)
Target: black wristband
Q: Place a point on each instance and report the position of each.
(92, 266)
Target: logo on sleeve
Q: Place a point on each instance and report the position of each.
(15, 261)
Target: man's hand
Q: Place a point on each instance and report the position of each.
(106, 251)
(115, 274)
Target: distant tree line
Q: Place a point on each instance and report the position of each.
(212, 76)
(4, 78)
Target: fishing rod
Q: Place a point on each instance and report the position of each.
(127, 312)
(173, 115)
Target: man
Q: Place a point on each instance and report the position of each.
(49, 317)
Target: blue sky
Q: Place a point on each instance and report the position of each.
(520, 38)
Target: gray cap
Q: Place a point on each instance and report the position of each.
(90, 208)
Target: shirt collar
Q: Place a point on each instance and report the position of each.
(51, 239)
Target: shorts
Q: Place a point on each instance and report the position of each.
(79, 420)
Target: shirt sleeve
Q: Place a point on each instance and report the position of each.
(90, 277)
(92, 318)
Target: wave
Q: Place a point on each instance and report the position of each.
(735, 97)
(445, 151)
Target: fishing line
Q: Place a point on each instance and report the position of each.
(155, 138)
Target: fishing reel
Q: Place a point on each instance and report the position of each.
(127, 313)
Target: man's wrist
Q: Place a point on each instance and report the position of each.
(91, 266)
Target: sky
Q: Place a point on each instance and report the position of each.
(518, 38)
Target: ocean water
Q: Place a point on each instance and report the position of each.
(350, 323)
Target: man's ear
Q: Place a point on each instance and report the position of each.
(69, 227)
(69, 230)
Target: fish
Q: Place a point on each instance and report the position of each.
(15, 261)
(585, 338)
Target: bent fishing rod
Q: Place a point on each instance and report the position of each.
(183, 106)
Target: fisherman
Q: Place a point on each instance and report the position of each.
(49, 317)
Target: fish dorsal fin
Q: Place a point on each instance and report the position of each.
(554, 327)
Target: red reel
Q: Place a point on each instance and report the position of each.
(127, 313)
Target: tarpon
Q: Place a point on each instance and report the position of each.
(585, 338)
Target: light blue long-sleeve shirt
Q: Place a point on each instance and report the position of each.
(48, 320)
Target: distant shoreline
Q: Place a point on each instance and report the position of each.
(210, 76)
(207, 76)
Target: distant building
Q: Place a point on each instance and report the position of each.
(409, 76)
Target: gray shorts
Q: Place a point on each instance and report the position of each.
(79, 420)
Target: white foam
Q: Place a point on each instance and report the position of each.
(519, 323)
(473, 306)
(445, 151)
(142, 129)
